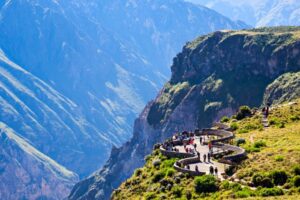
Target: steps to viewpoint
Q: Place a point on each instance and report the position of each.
(204, 152)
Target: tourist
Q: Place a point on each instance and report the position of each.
(211, 170)
(204, 157)
(198, 154)
(216, 171)
(196, 168)
(200, 140)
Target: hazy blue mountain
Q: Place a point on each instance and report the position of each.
(100, 60)
(26, 173)
(257, 12)
(51, 122)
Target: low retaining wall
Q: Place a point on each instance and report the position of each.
(188, 161)
(175, 154)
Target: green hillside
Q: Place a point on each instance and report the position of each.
(271, 171)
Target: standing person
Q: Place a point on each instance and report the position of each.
(210, 147)
(267, 111)
(216, 171)
(196, 168)
(211, 170)
(200, 140)
(198, 154)
(204, 157)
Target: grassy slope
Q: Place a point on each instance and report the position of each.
(282, 152)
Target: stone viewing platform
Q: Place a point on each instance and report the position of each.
(208, 151)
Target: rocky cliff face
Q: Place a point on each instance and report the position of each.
(211, 77)
(285, 88)
(26, 173)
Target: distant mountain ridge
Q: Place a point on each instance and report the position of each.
(257, 13)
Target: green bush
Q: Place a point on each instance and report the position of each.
(244, 111)
(205, 184)
(259, 144)
(265, 192)
(234, 126)
(244, 193)
(262, 180)
(296, 181)
(279, 177)
(150, 196)
(170, 172)
(294, 118)
(279, 158)
(168, 163)
(188, 195)
(138, 172)
(177, 191)
(158, 176)
(296, 170)
(240, 141)
(225, 119)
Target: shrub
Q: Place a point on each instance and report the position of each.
(188, 195)
(158, 176)
(205, 184)
(138, 172)
(244, 193)
(240, 141)
(168, 163)
(294, 118)
(244, 111)
(234, 126)
(279, 177)
(156, 162)
(177, 191)
(296, 181)
(279, 158)
(262, 180)
(170, 172)
(225, 119)
(150, 196)
(296, 170)
(259, 144)
(270, 192)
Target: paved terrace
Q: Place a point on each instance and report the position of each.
(218, 138)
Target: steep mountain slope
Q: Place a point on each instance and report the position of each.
(26, 173)
(211, 77)
(284, 89)
(50, 121)
(107, 57)
(273, 156)
(257, 12)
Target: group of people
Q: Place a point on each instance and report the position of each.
(188, 141)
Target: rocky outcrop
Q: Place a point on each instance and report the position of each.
(284, 89)
(211, 77)
(26, 173)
